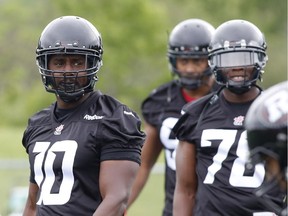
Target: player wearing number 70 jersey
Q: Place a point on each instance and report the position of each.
(212, 177)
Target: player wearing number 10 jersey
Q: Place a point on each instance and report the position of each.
(212, 152)
(65, 155)
(84, 150)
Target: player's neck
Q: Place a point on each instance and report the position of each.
(190, 95)
(63, 105)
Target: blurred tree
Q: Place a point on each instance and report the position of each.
(20, 25)
(134, 45)
(135, 35)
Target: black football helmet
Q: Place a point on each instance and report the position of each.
(189, 39)
(266, 123)
(70, 35)
(237, 44)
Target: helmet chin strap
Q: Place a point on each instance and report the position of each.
(191, 83)
(70, 97)
(242, 89)
(238, 90)
(76, 96)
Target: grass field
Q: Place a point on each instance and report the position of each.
(15, 173)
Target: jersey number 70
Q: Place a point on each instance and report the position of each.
(236, 178)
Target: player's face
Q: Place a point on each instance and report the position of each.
(191, 67)
(238, 74)
(69, 71)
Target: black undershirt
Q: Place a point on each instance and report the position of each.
(62, 114)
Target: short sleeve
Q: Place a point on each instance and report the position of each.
(184, 129)
(151, 111)
(121, 136)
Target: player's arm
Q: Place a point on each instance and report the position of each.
(30, 207)
(186, 179)
(150, 152)
(116, 178)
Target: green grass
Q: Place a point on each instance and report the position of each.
(150, 201)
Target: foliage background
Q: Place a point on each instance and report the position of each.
(135, 34)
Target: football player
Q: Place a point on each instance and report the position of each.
(212, 178)
(188, 60)
(266, 123)
(84, 149)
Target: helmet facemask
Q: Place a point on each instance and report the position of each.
(238, 69)
(190, 39)
(265, 149)
(265, 144)
(194, 80)
(237, 44)
(275, 182)
(66, 39)
(70, 86)
(266, 125)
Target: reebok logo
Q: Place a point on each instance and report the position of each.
(94, 117)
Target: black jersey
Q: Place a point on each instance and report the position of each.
(65, 156)
(162, 109)
(225, 185)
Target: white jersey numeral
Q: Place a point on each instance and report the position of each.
(237, 178)
(68, 147)
(170, 144)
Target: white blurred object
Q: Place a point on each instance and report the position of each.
(17, 201)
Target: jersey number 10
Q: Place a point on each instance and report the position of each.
(68, 147)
